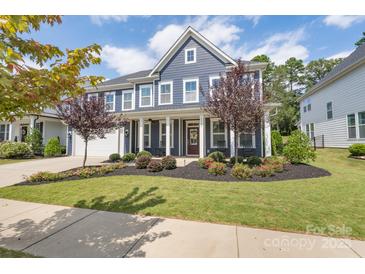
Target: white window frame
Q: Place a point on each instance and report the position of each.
(171, 83)
(211, 78)
(358, 125)
(328, 119)
(253, 135)
(212, 120)
(140, 95)
(197, 90)
(347, 126)
(105, 95)
(310, 130)
(133, 102)
(160, 133)
(7, 131)
(93, 94)
(149, 133)
(186, 55)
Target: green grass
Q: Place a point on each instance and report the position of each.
(337, 200)
(7, 253)
(11, 161)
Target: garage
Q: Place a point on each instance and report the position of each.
(98, 147)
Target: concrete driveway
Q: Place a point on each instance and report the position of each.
(58, 231)
(14, 173)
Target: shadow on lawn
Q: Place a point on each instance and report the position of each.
(133, 202)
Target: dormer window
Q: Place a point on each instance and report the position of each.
(190, 56)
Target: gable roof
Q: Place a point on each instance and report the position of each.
(124, 79)
(348, 64)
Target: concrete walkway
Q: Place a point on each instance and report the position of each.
(11, 174)
(57, 231)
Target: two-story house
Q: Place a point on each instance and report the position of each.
(164, 106)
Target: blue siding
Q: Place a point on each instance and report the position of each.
(69, 137)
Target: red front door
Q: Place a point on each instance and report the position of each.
(193, 141)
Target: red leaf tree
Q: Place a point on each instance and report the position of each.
(89, 118)
(236, 101)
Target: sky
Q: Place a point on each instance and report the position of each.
(133, 43)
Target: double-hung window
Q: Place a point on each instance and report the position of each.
(163, 133)
(4, 132)
(361, 124)
(190, 56)
(191, 94)
(351, 126)
(247, 140)
(127, 100)
(309, 130)
(109, 98)
(305, 108)
(91, 96)
(218, 136)
(309, 107)
(329, 111)
(165, 93)
(145, 96)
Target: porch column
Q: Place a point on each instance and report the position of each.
(201, 136)
(122, 141)
(10, 131)
(267, 133)
(32, 122)
(231, 142)
(168, 145)
(141, 134)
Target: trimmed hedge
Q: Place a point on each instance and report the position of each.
(17, 150)
(129, 157)
(144, 153)
(53, 147)
(114, 157)
(217, 168)
(169, 162)
(357, 149)
(155, 166)
(142, 161)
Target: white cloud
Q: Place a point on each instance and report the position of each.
(101, 19)
(32, 64)
(342, 54)
(253, 18)
(343, 21)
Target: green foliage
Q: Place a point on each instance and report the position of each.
(298, 149)
(10, 150)
(276, 143)
(217, 168)
(34, 140)
(264, 171)
(217, 156)
(45, 176)
(205, 162)
(357, 149)
(128, 157)
(155, 166)
(361, 40)
(254, 161)
(144, 153)
(53, 147)
(317, 69)
(241, 171)
(169, 162)
(232, 160)
(114, 157)
(276, 163)
(142, 161)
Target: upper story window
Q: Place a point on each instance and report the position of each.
(247, 140)
(190, 56)
(145, 96)
(213, 82)
(165, 93)
(191, 94)
(109, 98)
(92, 96)
(4, 132)
(127, 100)
(305, 108)
(309, 107)
(329, 111)
(163, 133)
(218, 137)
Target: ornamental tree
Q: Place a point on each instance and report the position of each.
(34, 76)
(89, 118)
(236, 101)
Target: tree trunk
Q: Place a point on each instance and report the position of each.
(236, 146)
(85, 154)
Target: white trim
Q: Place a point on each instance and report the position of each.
(358, 126)
(110, 93)
(212, 120)
(211, 78)
(130, 136)
(7, 131)
(196, 79)
(122, 141)
(202, 136)
(139, 133)
(133, 99)
(179, 132)
(347, 126)
(267, 133)
(160, 133)
(186, 135)
(186, 56)
(140, 95)
(171, 83)
(253, 136)
(94, 94)
(327, 110)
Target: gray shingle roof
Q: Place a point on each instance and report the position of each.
(123, 79)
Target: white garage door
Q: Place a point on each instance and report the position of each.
(98, 147)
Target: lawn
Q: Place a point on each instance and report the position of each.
(325, 203)
(11, 161)
(7, 253)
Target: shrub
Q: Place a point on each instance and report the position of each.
(168, 162)
(254, 161)
(129, 157)
(357, 149)
(86, 172)
(63, 149)
(217, 156)
(274, 160)
(232, 160)
(155, 166)
(44, 176)
(264, 171)
(276, 143)
(34, 140)
(15, 150)
(142, 162)
(144, 153)
(53, 147)
(217, 168)
(114, 157)
(241, 171)
(205, 162)
(298, 148)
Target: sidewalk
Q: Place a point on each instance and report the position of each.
(57, 231)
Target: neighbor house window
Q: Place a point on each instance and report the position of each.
(191, 94)
(109, 101)
(4, 132)
(92, 96)
(163, 133)
(190, 56)
(146, 134)
(165, 93)
(307, 130)
(312, 130)
(127, 100)
(145, 96)
(329, 111)
(218, 136)
(247, 140)
(351, 125)
(305, 108)
(362, 124)
(309, 107)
